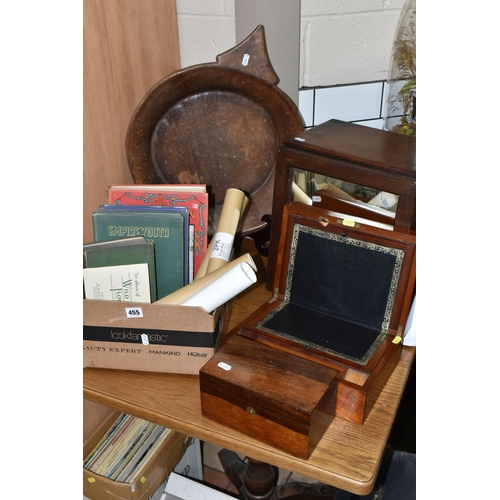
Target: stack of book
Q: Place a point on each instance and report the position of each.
(149, 241)
(192, 196)
(125, 448)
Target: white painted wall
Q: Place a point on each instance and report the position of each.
(206, 29)
(346, 41)
(341, 41)
(281, 21)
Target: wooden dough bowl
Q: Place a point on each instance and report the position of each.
(218, 124)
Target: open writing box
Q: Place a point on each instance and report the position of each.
(342, 296)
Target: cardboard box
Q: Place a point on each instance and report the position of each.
(147, 480)
(149, 337)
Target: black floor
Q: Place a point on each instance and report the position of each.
(404, 431)
(396, 479)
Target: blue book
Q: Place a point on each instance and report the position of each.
(167, 227)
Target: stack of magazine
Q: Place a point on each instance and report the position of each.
(125, 448)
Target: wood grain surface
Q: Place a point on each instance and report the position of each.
(128, 47)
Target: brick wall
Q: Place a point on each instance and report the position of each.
(345, 49)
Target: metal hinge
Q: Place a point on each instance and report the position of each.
(399, 335)
(275, 296)
(347, 222)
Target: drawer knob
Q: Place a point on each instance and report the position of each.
(251, 410)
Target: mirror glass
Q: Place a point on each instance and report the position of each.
(363, 204)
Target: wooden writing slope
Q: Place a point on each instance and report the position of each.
(348, 456)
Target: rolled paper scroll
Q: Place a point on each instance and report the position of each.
(186, 292)
(300, 195)
(221, 245)
(224, 288)
(384, 200)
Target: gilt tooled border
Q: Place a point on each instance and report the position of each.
(399, 257)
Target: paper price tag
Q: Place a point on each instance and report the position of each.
(222, 246)
(133, 312)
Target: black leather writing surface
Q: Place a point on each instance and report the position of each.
(341, 279)
(339, 293)
(318, 330)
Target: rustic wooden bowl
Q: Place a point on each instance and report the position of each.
(219, 124)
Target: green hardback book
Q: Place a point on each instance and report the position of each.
(135, 250)
(166, 227)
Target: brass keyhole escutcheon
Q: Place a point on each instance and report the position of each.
(251, 410)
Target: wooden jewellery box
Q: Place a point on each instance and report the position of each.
(315, 349)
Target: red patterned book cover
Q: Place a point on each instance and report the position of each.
(192, 196)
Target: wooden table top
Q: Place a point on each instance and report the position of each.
(347, 457)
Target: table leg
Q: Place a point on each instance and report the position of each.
(257, 480)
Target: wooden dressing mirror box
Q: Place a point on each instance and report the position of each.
(356, 161)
